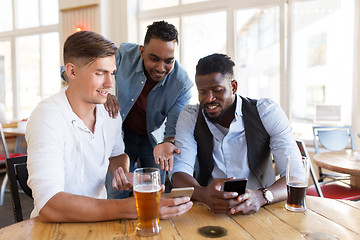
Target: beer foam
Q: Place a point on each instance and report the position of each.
(146, 188)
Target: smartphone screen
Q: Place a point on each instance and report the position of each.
(235, 185)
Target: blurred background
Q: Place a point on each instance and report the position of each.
(304, 54)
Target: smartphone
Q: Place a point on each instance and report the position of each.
(235, 185)
(181, 192)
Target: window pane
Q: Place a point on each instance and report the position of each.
(49, 12)
(322, 67)
(6, 96)
(154, 4)
(28, 70)
(50, 63)
(258, 53)
(6, 19)
(202, 35)
(26, 13)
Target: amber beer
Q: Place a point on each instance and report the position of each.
(296, 195)
(147, 198)
(147, 189)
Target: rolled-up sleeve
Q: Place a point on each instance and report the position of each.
(185, 141)
(282, 140)
(45, 156)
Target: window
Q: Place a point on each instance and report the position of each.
(322, 67)
(29, 54)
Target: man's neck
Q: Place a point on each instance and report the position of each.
(85, 111)
(229, 116)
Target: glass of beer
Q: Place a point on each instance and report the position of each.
(147, 189)
(297, 176)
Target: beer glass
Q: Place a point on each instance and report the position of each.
(147, 189)
(297, 177)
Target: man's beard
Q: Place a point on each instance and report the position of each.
(219, 118)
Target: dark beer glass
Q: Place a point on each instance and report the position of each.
(297, 176)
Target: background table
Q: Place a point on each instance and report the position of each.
(342, 162)
(337, 219)
(20, 145)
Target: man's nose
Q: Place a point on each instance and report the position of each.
(109, 81)
(210, 97)
(160, 67)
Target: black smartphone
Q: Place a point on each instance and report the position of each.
(235, 185)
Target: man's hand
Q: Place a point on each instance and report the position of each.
(112, 106)
(172, 207)
(122, 180)
(218, 200)
(248, 203)
(164, 155)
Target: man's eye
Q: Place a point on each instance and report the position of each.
(169, 61)
(99, 73)
(217, 89)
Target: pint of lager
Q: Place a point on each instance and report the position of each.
(147, 191)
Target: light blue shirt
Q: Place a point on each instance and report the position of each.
(164, 101)
(230, 150)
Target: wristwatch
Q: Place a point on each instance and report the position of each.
(268, 196)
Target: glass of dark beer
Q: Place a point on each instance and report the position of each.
(147, 189)
(297, 176)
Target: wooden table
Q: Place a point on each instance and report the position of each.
(337, 219)
(343, 162)
(20, 145)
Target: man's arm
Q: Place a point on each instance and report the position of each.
(252, 200)
(66, 207)
(119, 169)
(164, 152)
(218, 200)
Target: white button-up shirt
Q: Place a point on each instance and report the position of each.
(64, 155)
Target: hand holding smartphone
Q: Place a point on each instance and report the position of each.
(181, 192)
(235, 185)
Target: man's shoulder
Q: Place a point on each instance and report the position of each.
(105, 115)
(180, 75)
(190, 110)
(129, 48)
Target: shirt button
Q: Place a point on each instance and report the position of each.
(227, 161)
(142, 82)
(132, 99)
(123, 114)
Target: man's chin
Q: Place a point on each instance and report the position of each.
(213, 119)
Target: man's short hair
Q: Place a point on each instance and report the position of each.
(161, 30)
(87, 46)
(215, 63)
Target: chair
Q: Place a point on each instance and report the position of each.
(331, 189)
(3, 157)
(328, 138)
(18, 175)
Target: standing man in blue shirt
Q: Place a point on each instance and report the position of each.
(230, 136)
(151, 90)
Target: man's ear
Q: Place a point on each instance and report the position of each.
(141, 47)
(70, 71)
(234, 86)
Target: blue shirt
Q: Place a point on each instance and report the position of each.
(164, 101)
(230, 148)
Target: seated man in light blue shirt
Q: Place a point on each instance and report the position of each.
(229, 136)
